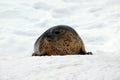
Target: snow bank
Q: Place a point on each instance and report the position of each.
(60, 68)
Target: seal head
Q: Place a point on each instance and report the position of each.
(59, 40)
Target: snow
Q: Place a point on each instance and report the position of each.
(60, 68)
(23, 21)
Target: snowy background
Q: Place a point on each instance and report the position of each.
(23, 21)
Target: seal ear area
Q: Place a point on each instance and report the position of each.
(57, 32)
(66, 28)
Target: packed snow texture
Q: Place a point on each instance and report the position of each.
(23, 21)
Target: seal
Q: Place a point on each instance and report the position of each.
(59, 40)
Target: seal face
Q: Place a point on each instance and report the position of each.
(59, 40)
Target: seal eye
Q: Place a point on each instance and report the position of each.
(57, 32)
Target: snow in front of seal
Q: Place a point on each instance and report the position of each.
(23, 21)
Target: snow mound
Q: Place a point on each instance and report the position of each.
(60, 68)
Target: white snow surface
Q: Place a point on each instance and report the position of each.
(96, 21)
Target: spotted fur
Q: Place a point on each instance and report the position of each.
(59, 40)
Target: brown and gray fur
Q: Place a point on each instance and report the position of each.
(59, 40)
